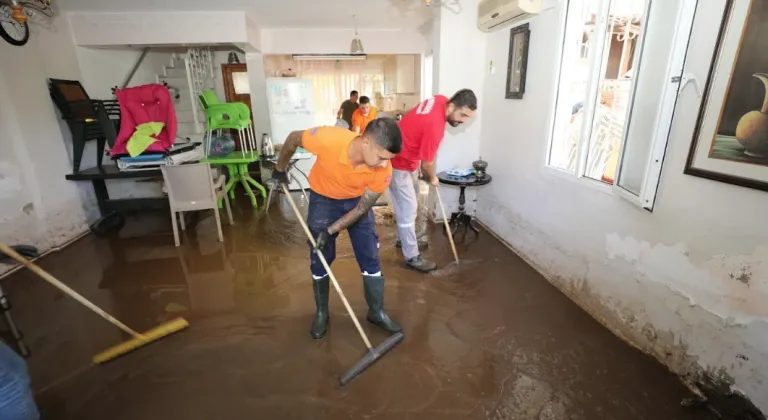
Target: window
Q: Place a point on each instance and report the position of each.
(332, 81)
(620, 71)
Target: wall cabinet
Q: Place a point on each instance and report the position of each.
(405, 80)
(400, 75)
(390, 75)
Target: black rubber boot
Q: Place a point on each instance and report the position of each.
(320, 323)
(374, 295)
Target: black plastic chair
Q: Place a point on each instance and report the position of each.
(88, 119)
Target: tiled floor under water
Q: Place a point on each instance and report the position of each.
(493, 341)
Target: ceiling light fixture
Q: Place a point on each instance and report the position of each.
(357, 46)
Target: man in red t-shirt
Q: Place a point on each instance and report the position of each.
(423, 128)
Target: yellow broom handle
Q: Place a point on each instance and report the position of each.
(327, 269)
(5, 249)
(447, 227)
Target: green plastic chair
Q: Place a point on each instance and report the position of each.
(227, 115)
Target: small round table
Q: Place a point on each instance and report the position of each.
(461, 218)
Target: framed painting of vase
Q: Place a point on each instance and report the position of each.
(730, 143)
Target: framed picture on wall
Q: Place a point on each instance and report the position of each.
(518, 61)
(730, 143)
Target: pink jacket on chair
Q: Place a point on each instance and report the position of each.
(143, 104)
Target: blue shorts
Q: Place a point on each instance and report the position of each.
(323, 211)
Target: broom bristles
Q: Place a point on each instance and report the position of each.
(162, 330)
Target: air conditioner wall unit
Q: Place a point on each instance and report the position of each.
(492, 14)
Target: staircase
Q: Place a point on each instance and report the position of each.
(190, 126)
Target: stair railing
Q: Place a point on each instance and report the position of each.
(199, 65)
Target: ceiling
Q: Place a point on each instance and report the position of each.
(378, 14)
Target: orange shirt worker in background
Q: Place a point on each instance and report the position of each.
(363, 115)
(349, 176)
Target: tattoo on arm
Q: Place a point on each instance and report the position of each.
(292, 143)
(361, 209)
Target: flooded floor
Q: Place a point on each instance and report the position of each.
(492, 341)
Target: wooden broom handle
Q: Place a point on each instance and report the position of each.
(7, 250)
(327, 268)
(447, 227)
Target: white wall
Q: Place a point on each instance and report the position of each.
(459, 58)
(258, 84)
(145, 28)
(253, 33)
(37, 205)
(103, 68)
(687, 283)
(337, 41)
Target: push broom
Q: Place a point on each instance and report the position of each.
(374, 353)
(138, 339)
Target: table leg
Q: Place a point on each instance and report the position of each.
(269, 197)
(102, 194)
(244, 182)
(229, 187)
(247, 176)
(306, 178)
(462, 200)
(233, 178)
(473, 227)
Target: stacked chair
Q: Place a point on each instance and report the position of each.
(227, 115)
(88, 119)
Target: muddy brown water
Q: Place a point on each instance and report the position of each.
(496, 341)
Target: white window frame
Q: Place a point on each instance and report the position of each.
(674, 73)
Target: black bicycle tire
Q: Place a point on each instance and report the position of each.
(8, 39)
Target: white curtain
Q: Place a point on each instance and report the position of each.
(334, 79)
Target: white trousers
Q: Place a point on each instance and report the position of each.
(404, 193)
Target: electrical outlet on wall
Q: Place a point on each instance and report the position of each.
(491, 67)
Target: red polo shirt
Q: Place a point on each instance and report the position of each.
(423, 129)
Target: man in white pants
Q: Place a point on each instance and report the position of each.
(423, 129)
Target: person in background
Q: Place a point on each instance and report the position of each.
(348, 108)
(349, 176)
(423, 129)
(363, 115)
(16, 400)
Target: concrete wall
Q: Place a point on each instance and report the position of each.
(337, 41)
(687, 283)
(37, 205)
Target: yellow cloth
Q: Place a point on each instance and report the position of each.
(142, 137)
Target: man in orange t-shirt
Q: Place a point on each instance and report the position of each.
(363, 115)
(349, 176)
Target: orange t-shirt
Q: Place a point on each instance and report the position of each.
(360, 120)
(332, 175)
